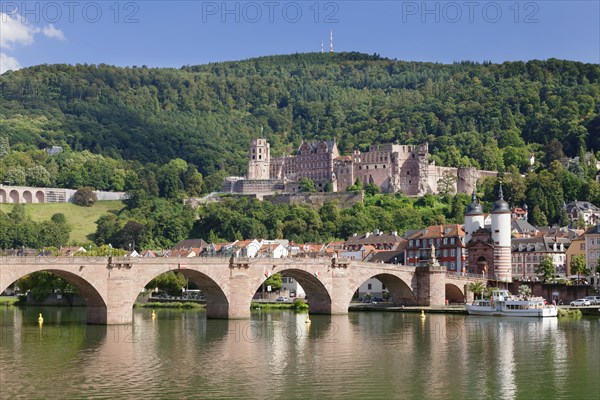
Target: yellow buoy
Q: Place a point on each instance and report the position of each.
(153, 314)
(422, 313)
(40, 319)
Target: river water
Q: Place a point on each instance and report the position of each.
(363, 355)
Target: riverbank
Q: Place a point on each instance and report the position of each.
(452, 309)
(174, 304)
(296, 305)
(8, 300)
(563, 311)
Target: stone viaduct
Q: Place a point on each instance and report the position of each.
(26, 195)
(110, 285)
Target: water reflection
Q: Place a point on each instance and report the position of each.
(278, 355)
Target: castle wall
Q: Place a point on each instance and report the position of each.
(346, 199)
(255, 186)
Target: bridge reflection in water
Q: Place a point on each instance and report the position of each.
(276, 355)
(110, 285)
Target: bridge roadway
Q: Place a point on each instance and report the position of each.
(110, 285)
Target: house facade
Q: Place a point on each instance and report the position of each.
(448, 241)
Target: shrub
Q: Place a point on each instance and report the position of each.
(85, 196)
(300, 304)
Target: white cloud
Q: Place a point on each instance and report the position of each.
(14, 32)
(8, 63)
(51, 32)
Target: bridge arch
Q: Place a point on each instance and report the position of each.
(95, 303)
(400, 291)
(319, 298)
(454, 294)
(40, 197)
(27, 197)
(217, 303)
(2, 196)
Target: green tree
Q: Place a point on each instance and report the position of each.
(537, 217)
(307, 185)
(38, 176)
(169, 282)
(447, 184)
(578, 266)
(4, 145)
(274, 281)
(477, 287)
(546, 269)
(371, 189)
(43, 283)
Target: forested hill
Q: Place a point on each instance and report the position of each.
(488, 115)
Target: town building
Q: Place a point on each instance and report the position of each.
(588, 212)
(528, 252)
(576, 248)
(377, 239)
(448, 241)
(592, 247)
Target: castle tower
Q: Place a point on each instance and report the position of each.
(501, 236)
(474, 218)
(259, 159)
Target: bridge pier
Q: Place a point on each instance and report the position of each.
(431, 285)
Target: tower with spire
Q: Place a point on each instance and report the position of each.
(501, 238)
(474, 218)
(489, 247)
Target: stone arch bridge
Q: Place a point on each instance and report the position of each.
(110, 285)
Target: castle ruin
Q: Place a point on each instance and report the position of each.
(393, 168)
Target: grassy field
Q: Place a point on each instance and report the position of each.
(82, 219)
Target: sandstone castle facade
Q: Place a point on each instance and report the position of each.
(393, 168)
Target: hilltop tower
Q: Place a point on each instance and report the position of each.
(331, 41)
(501, 238)
(259, 159)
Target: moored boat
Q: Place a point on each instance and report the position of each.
(502, 303)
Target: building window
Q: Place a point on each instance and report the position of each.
(453, 266)
(418, 242)
(582, 246)
(369, 286)
(452, 241)
(452, 252)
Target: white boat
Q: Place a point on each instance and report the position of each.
(502, 303)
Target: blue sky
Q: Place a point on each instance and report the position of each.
(175, 33)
